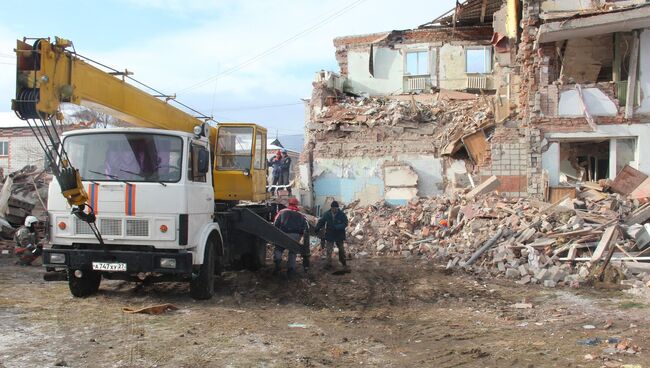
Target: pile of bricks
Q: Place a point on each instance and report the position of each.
(567, 243)
(28, 197)
(342, 126)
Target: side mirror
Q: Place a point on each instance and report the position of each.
(203, 161)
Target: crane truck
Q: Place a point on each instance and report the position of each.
(170, 199)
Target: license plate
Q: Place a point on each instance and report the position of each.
(105, 266)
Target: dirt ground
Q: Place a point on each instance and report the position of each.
(385, 313)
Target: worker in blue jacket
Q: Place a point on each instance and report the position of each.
(334, 221)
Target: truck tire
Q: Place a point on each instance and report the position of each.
(86, 285)
(202, 285)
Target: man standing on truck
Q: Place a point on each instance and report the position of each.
(27, 247)
(285, 167)
(276, 162)
(294, 224)
(334, 221)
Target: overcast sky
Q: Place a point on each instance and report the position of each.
(264, 53)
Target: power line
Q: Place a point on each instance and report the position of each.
(201, 115)
(259, 107)
(276, 47)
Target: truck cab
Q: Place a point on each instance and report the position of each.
(151, 192)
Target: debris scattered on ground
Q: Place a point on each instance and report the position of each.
(24, 194)
(567, 243)
(297, 325)
(154, 309)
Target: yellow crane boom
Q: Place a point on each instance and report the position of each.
(60, 76)
(49, 74)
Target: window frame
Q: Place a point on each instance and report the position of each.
(192, 164)
(70, 139)
(259, 151)
(218, 154)
(417, 52)
(6, 151)
(487, 60)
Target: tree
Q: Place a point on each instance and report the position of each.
(79, 115)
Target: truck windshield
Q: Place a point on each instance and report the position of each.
(133, 157)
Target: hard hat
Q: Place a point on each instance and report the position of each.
(29, 220)
(293, 201)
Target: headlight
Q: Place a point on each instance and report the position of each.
(57, 258)
(168, 263)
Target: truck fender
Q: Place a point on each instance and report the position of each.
(205, 232)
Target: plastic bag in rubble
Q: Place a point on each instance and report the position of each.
(533, 257)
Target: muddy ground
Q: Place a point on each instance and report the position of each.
(385, 313)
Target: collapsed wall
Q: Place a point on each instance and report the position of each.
(394, 148)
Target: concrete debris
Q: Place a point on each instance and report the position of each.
(26, 194)
(153, 309)
(445, 121)
(567, 243)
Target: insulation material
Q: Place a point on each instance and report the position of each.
(597, 103)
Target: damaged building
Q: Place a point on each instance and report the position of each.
(538, 94)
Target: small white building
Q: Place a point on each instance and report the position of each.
(18, 145)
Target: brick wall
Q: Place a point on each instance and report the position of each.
(23, 149)
(509, 161)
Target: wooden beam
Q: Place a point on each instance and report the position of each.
(483, 10)
(610, 235)
(617, 63)
(585, 110)
(632, 76)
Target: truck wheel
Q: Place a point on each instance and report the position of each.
(86, 285)
(202, 285)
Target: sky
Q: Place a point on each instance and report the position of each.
(235, 60)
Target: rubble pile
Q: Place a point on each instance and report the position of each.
(565, 243)
(24, 193)
(446, 116)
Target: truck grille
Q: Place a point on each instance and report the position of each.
(111, 227)
(82, 227)
(137, 227)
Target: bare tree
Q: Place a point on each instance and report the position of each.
(92, 119)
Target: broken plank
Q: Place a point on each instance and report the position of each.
(573, 252)
(620, 258)
(488, 244)
(610, 234)
(641, 215)
(571, 233)
(592, 186)
(627, 180)
(592, 195)
(491, 184)
(635, 267)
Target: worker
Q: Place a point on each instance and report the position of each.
(294, 224)
(27, 247)
(334, 221)
(285, 169)
(275, 162)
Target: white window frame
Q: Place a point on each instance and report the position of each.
(487, 61)
(416, 51)
(4, 154)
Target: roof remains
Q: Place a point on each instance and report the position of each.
(468, 13)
